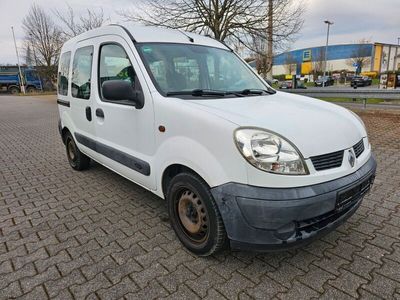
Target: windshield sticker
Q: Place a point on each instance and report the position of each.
(147, 49)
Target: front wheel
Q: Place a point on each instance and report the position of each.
(77, 160)
(194, 215)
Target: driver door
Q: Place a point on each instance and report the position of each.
(125, 134)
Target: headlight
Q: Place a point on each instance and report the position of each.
(269, 152)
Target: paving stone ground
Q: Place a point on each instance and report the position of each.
(93, 234)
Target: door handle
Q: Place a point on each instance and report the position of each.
(88, 111)
(100, 113)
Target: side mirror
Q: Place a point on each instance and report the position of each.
(121, 90)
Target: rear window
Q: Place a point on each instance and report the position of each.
(63, 74)
(81, 72)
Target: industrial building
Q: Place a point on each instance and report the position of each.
(376, 57)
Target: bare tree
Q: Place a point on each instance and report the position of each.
(73, 25)
(361, 56)
(290, 63)
(318, 61)
(46, 39)
(246, 21)
(28, 56)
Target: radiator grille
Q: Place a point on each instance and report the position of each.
(327, 161)
(359, 148)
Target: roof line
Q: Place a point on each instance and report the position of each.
(126, 30)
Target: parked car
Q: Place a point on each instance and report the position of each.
(324, 81)
(360, 81)
(286, 84)
(184, 117)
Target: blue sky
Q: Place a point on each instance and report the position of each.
(375, 20)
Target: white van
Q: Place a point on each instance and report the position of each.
(183, 116)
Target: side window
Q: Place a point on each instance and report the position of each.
(81, 72)
(63, 74)
(114, 64)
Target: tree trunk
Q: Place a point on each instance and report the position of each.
(270, 40)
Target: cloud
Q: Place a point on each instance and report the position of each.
(376, 20)
(353, 20)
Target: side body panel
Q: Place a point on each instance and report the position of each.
(198, 140)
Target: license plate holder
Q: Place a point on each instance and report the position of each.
(349, 196)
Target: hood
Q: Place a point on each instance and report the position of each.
(316, 127)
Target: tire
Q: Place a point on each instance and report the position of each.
(13, 90)
(30, 90)
(77, 160)
(194, 215)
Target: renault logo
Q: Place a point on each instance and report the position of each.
(352, 158)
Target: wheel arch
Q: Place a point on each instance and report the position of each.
(64, 132)
(171, 171)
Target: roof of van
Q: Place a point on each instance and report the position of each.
(147, 34)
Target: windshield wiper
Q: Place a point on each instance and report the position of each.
(204, 92)
(256, 91)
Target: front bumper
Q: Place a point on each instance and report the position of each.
(258, 218)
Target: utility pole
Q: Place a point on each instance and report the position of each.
(326, 51)
(270, 39)
(21, 79)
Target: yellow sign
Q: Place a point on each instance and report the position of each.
(306, 67)
(377, 58)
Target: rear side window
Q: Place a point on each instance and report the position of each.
(114, 64)
(63, 74)
(81, 72)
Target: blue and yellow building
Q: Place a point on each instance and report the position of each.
(380, 58)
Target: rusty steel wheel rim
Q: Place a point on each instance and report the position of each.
(193, 216)
(71, 150)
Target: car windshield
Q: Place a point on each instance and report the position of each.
(181, 69)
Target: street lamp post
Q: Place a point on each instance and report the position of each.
(21, 79)
(329, 23)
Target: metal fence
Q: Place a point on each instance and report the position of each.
(355, 94)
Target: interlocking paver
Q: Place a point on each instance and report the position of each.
(381, 286)
(315, 278)
(361, 267)
(59, 286)
(67, 234)
(299, 291)
(348, 283)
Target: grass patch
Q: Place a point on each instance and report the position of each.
(348, 100)
(375, 81)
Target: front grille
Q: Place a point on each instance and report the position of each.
(345, 201)
(327, 161)
(359, 148)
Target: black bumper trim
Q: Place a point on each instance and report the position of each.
(271, 218)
